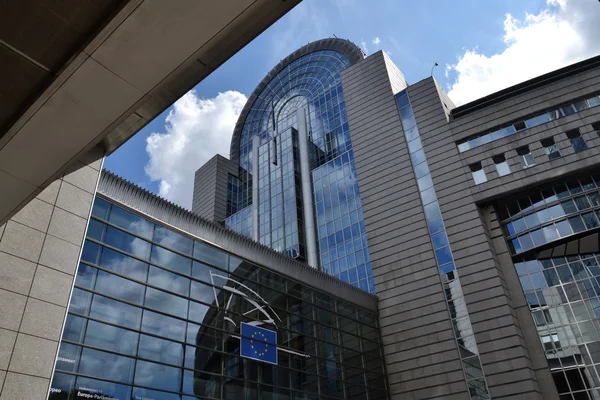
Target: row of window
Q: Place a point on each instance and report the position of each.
(461, 323)
(542, 118)
(526, 158)
(563, 295)
(134, 254)
(548, 196)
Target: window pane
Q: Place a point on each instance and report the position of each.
(556, 211)
(590, 220)
(108, 389)
(165, 302)
(203, 293)
(569, 206)
(479, 176)
(203, 272)
(538, 237)
(131, 222)
(163, 325)
(173, 240)
(96, 230)
(526, 242)
(197, 312)
(503, 168)
(101, 208)
(169, 281)
(577, 224)
(443, 255)
(121, 288)
(544, 215)
(157, 376)
(80, 301)
(550, 233)
(519, 225)
(91, 252)
(127, 243)
(160, 350)
(111, 338)
(74, 328)
(432, 210)
(105, 365)
(582, 203)
(171, 260)
(116, 312)
(532, 220)
(594, 198)
(210, 255)
(123, 264)
(439, 240)
(86, 276)
(435, 225)
(425, 182)
(564, 229)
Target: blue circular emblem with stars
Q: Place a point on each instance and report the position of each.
(258, 344)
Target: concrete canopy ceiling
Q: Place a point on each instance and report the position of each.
(76, 74)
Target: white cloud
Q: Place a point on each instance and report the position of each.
(377, 41)
(195, 130)
(364, 46)
(564, 32)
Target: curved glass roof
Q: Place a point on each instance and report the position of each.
(300, 82)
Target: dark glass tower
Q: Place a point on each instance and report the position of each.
(296, 190)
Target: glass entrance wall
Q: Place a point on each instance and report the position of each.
(563, 294)
(155, 315)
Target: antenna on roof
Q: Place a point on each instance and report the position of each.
(434, 65)
(335, 36)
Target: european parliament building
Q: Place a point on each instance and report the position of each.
(365, 239)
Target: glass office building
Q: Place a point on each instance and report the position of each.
(318, 214)
(155, 315)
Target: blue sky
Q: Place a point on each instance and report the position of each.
(481, 46)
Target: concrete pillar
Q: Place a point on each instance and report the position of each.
(39, 253)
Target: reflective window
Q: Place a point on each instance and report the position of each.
(525, 156)
(596, 127)
(210, 255)
(550, 115)
(563, 302)
(576, 140)
(128, 243)
(131, 222)
(443, 253)
(165, 302)
(106, 365)
(169, 281)
(541, 218)
(160, 334)
(501, 164)
(167, 238)
(171, 260)
(551, 149)
(478, 173)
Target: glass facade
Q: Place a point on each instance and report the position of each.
(552, 213)
(342, 234)
(461, 323)
(310, 83)
(535, 120)
(563, 292)
(155, 315)
(563, 296)
(280, 217)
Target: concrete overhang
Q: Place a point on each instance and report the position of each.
(77, 74)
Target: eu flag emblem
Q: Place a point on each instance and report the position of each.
(258, 343)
